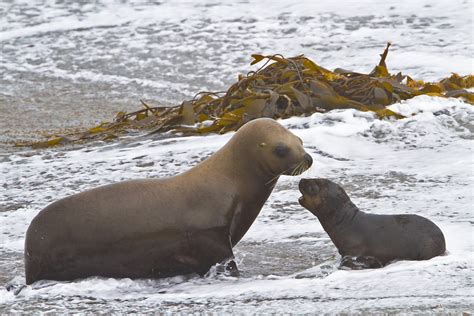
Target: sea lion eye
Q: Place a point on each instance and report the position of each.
(281, 151)
(313, 189)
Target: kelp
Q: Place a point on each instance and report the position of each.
(280, 88)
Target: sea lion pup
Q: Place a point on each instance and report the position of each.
(369, 240)
(153, 228)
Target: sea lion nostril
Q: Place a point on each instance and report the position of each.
(308, 159)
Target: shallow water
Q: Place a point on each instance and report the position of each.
(68, 65)
(416, 165)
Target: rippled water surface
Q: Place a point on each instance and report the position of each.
(69, 65)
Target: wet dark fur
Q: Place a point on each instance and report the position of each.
(356, 234)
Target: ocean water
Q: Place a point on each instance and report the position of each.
(68, 65)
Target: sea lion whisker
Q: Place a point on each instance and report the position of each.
(306, 169)
(293, 171)
(283, 172)
(297, 168)
(272, 179)
(300, 168)
(276, 176)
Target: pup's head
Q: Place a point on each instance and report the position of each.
(322, 197)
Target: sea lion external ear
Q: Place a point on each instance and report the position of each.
(263, 144)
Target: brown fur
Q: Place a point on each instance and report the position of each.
(154, 228)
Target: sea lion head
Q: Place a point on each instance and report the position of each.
(273, 148)
(322, 196)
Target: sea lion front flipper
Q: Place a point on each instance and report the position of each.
(231, 268)
(228, 267)
(226, 264)
(360, 262)
(212, 247)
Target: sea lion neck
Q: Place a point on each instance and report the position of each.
(338, 216)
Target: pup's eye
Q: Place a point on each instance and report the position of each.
(313, 189)
(281, 151)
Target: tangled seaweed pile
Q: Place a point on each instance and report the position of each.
(281, 88)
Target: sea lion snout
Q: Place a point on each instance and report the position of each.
(301, 166)
(300, 161)
(309, 187)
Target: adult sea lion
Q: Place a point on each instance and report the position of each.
(369, 240)
(154, 228)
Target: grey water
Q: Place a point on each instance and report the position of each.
(67, 64)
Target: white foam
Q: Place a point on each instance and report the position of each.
(421, 164)
(347, 148)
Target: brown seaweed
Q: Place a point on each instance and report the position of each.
(280, 88)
